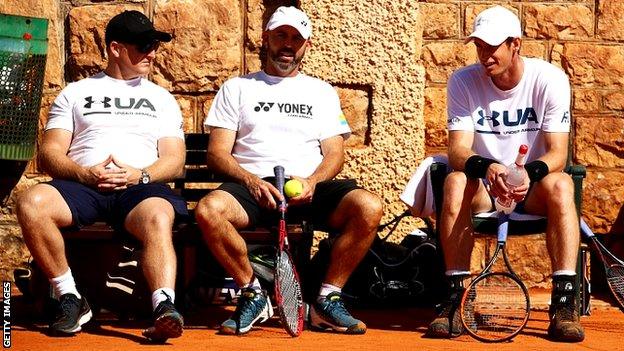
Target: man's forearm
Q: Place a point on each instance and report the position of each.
(226, 164)
(60, 166)
(328, 169)
(165, 169)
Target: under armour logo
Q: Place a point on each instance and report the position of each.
(492, 118)
(304, 23)
(264, 106)
(90, 102)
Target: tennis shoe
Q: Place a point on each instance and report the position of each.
(565, 323)
(71, 314)
(168, 323)
(253, 307)
(448, 321)
(330, 313)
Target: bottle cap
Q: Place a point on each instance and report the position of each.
(523, 149)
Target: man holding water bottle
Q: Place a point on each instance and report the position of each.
(494, 107)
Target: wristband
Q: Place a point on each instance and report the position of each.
(536, 170)
(476, 166)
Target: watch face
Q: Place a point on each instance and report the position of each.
(145, 177)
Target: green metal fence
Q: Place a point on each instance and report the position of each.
(23, 51)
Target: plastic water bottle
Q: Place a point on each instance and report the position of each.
(516, 174)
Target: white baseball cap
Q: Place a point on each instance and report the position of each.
(291, 16)
(495, 25)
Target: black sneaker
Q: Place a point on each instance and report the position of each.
(565, 323)
(70, 315)
(448, 324)
(168, 323)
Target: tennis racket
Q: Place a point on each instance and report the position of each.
(495, 306)
(288, 295)
(614, 267)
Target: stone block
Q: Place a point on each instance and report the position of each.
(610, 19)
(563, 22)
(586, 100)
(188, 106)
(441, 20)
(592, 66)
(599, 141)
(442, 58)
(614, 100)
(603, 195)
(207, 45)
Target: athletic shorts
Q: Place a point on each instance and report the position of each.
(88, 205)
(327, 196)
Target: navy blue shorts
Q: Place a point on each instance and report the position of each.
(327, 196)
(88, 205)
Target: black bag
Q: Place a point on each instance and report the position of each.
(407, 274)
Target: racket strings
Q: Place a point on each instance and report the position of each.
(495, 307)
(290, 293)
(615, 278)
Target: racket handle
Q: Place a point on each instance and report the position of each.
(503, 227)
(279, 184)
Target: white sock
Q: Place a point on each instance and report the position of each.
(162, 294)
(254, 284)
(64, 284)
(327, 289)
(567, 272)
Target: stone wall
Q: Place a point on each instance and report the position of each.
(389, 61)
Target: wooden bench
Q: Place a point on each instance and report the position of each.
(99, 241)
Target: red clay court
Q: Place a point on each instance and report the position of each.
(390, 329)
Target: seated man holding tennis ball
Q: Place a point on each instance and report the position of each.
(280, 116)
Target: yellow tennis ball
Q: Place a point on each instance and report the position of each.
(293, 188)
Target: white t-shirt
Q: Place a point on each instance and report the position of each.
(502, 120)
(279, 121)
(123, 118)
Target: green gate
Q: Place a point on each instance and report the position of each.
(23, 48)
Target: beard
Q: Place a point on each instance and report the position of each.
(284, 68)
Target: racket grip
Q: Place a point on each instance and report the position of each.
(585, 229)
(503, 227)
(279, 181)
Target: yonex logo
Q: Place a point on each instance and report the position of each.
(264, 106)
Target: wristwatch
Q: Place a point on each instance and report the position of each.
(145, 177)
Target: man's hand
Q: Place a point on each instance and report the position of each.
(104, 177)
(309, 185)
(263, 192)
(519, 193)
(495, 175)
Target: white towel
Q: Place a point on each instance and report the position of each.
(418, 194)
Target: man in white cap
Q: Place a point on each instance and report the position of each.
(494, 106)
(280, 116)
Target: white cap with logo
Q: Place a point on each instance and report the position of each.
(495, 25)
(291, 16)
